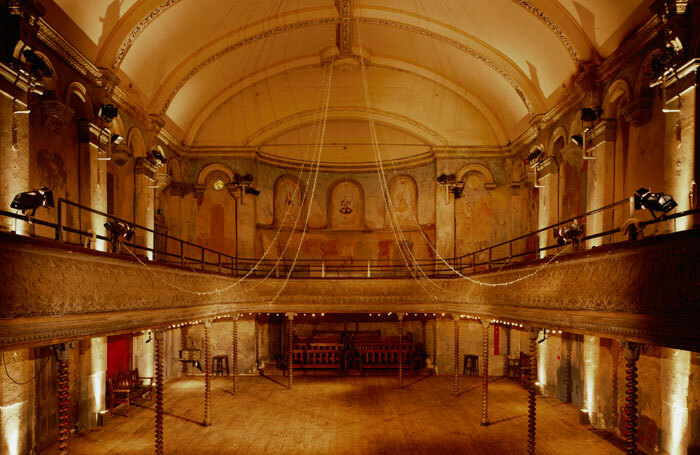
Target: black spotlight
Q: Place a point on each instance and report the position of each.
(36, 66)
(246, 179)
(442, 178)
(118, 231)
(654, 202)
(116, 139)
(591, 114)
(32, 200)
(253, 191)
(577, 139)
(571, 233)
(534, 157)
(158, 158)
(108, 112)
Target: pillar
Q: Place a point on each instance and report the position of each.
(158, 340)
(630, 416)
(456, 358)
(64, 399)
(532, 391)
(234, 360)
(485, 372)
(600, 178)
(207, 373)
(93, 378)
(681, 166)
(506, 351)
(16, 404)
(144, 202)
(400, 316)
(290, 350)
(14, 156)
(256, 333)
(93, 143)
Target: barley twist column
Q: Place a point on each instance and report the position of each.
(62, 352)
(290, 351)
(506, 351)
(485, 372)
(234, 360)
(630, 415)
(158, 340)
(257, 343)
(207, 374)
(400, 315)
(456, 358)
(532, 392)
(567, 364)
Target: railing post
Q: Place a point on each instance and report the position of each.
(59, 224)
(202, 248)
(510, 252)
(369, 270)
(490, 256)
(219, 262)
(182, 251)
(473, 262)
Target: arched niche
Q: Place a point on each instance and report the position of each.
(488, 180)
(174, 170)
(288, 201)
(77, 98)
(346, 205)
(403, 194)
(212, 172)
(615, 98)
(53, 83)
(135, 142)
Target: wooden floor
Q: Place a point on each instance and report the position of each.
(352, 415)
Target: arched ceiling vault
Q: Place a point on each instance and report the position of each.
(495, 63)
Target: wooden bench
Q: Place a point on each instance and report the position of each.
(319, 351)
(384, 352)
(127, 386)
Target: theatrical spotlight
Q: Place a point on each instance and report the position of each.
(252, 191)
(36, 66)
(534, 157)
(571, 233)
(118, 231)
(32, 200)
(654, 202)
(591, 114)
(158, 158)
(664, 60)
(116, 139)
(108, 112)
(577, 139)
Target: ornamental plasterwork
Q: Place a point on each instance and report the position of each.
(138, 29)
(553, 27)
(458, 45)
(251, 39)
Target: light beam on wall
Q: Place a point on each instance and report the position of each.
(10, 416)
(677, 403)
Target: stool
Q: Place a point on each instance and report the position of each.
(471, 365)
(220, 364)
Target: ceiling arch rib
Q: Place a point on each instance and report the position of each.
(217, 49)
(210, 105)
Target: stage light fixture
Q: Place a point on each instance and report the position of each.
(118, 231)
(36, 66)
(116, 139)
(577, 139)
(32, 200)
(534, 157)
(108, 112)
(158, 158)
(591, 114)
(252, 191)
(571, 233)
(654, 202)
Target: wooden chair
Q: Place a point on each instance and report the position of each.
(471, 365)
(220, 363)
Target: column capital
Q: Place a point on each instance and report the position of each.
(603, 131)
(632, 350)
(207, 323)
(400, 316)
(145, 167)
(532, 332)
(290, 316)
(93, 134)
(107, 81)
(158, 335)
(234, 316)
(685, 77)
(486, 323)
(55, 114)
(62, 350)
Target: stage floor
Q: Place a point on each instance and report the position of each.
(347, 415)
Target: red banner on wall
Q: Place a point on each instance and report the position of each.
(496, 333)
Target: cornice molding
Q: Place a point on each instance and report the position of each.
(63, 49)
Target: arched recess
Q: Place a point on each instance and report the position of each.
(288, 201)
(215, 170)
(53, 83)
(174, 169)
(346, 205)
(617, 95)
(488, 181)
(403, 194)
(76, 91)
(475, 210)
(135, 142)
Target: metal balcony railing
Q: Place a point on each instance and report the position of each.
(176, 251)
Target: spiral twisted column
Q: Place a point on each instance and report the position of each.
(485, 323)
(207, 373)
(456, 358)
(532, 391)
(257, 343)
(158, 340)
(630, 415)
(400, 315)
(567, 364)
(506, 351)
(62, 352)
(290, 353)
(234, 355)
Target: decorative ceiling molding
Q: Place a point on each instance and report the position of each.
(456, 44)
(558, 32)
(295, 120)
(65, 50)
(237, 45)
(145, 22)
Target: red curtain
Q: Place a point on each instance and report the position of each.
(119, 354)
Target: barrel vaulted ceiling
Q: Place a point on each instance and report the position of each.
(440, 72)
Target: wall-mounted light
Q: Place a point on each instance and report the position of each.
(108, 112)
(158, 158)
(118, 231)
(32, 200)
(570, 233)
(451, 185)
